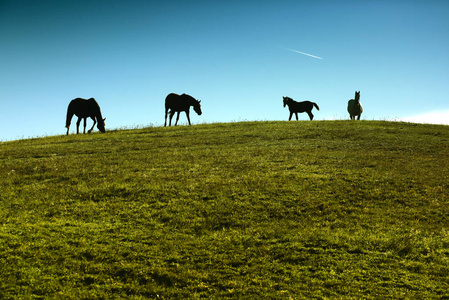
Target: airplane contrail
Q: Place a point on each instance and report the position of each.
(303, 53)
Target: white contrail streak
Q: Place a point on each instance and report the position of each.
(303, 53)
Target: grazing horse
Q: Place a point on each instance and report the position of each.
(83, 109)
(178, 103)
(355, 108)
(299, 107)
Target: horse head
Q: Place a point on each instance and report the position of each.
(101, 125)
(286, 99)
(197, 107)
(357, 96)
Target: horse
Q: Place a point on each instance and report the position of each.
(299, 107)
(355, 108)
(83, 109)
(178, 103)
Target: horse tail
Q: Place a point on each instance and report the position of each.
(70, 114)
(316, 105)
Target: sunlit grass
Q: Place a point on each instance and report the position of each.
(333, 209)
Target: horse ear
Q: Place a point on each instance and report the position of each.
(104, 119)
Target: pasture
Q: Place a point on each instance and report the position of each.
(252, 210)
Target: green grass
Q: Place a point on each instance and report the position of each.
(251, 210)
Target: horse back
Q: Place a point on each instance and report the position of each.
(177, 102)
(84, 108)
(302, 106)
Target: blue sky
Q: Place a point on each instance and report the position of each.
(232, 55)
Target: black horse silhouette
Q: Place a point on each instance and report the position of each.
(299, 107)
(83, 109)
(178, 103)
(355, 108)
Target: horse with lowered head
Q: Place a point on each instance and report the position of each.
(299, 107)
(355, 108)
(83, 109)
(178, 103)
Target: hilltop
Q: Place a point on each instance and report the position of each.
(309, 209)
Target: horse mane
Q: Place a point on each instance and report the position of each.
(190, 98)
(291, 100)
(97, 112)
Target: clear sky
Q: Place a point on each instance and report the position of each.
(235, 56)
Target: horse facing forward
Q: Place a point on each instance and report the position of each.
(299, 107)
(355, 108)
(178, 103)
(83, 109)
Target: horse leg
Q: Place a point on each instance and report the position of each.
(95, 122)
(172, 113)
(291, 114)
(166, 112)
(85, 122)
(188, 118)
(358, 117)
(296, 114)
(177, 118)
(78, 125)
(310, 115)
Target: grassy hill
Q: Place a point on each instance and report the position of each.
(280, 210)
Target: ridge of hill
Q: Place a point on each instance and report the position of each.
(321, 209)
